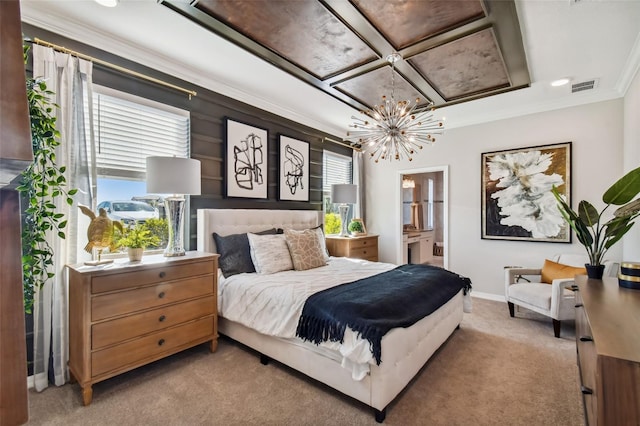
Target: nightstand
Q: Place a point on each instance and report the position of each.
(365, 247)
(123, 315)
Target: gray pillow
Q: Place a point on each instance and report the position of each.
(235, 253)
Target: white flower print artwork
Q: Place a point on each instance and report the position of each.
(517, 198)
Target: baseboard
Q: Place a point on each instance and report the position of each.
(488, 296)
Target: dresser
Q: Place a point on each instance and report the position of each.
(364, 247)
(608, 347)
(123, 315)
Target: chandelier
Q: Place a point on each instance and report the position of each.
(393, 130)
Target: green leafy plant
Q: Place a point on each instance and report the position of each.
(332, 223)
(138, 237)
(355, 226)
(593, 232)
(159, 228)
(42, 184)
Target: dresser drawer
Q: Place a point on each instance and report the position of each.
(362, 243)
(124, 302)
(367, 253)
(121, 329)
(111, 282)
(149, 346)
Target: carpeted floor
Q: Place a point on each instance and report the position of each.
(494, 370)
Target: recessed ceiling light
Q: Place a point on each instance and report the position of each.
(107, 3)
(560, 82)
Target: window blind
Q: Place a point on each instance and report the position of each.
(337, 169)
(128, 132)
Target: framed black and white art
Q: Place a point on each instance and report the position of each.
(294, 169)
(246, 160)
(517, 202)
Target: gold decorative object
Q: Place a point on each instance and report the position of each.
(100, 233)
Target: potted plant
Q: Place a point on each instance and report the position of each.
(136, 239)
(593, 232)
(356, 227)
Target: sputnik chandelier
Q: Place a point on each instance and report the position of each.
(393, 130)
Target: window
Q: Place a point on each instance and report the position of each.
(128, 129)
(336, 169)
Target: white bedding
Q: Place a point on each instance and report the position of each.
(272, 304)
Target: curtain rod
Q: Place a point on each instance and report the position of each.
(114, 66)
(355, 148)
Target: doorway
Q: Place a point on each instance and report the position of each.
(423, 215)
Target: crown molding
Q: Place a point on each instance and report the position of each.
(630, 69)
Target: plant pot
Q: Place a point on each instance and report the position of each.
(135, 254)
(594, 271)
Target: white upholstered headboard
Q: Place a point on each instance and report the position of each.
(237, 221)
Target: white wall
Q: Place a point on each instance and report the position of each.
(596, 131)
(631, 241)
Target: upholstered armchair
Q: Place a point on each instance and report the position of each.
(544, 290)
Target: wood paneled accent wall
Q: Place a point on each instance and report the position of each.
(208, 111)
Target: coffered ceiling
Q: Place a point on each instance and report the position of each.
(453, 51)
(582, 40)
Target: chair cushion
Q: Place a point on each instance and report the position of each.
(535, 294)
(552, 270)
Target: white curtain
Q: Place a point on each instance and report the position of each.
(358, 179)
(70, 79)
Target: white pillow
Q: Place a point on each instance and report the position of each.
(269, 253)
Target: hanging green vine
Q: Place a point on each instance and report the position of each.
(41, 185)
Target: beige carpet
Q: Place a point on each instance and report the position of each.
(494, 370)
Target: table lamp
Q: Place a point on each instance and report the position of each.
(179, 177)
(344, 194)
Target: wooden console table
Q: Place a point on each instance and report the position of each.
(124, 315)
(608, 345)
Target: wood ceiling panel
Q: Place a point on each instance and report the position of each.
(464, 67)
(451, 52)
(370, 87)
(303, 32)
(405, 22)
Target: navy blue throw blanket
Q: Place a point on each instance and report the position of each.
(372, 306)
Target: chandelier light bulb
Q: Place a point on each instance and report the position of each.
(395, 129)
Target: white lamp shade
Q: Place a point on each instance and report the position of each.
(344, 193)
(173, 175)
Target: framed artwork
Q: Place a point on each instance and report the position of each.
(517, 202)
(294, 169)
(246, 160)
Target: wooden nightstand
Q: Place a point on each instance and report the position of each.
(124, 315)
(365, 247)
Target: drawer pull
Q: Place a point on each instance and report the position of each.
(578, 305)
(162, 274)
(585, 390)
(574, 287)
(162, 318)
(161, 295)
(160, 342)
(586, 339)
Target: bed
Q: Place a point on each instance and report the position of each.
(404, 350)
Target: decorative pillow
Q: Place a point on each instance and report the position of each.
(235, 253)
(270, 253)
(552, 270)
(305, 249)
(323, 243)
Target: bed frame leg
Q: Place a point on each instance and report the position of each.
(264, 360)
(380, 414)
